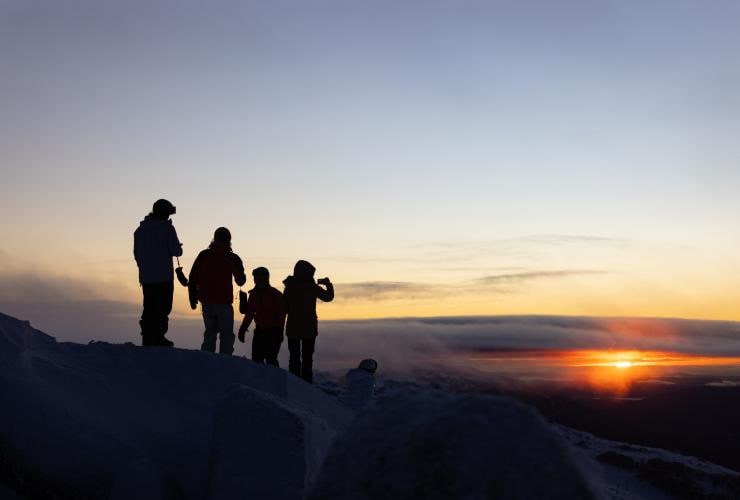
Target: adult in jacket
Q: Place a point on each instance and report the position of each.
(210, 284)
(301, 292)
(155, 243)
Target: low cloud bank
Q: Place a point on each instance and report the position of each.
(418, 342)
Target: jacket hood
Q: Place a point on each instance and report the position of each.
(303, 270)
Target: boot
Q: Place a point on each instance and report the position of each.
(307, 372)
(161, 341)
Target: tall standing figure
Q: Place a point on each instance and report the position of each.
(155, 243)
(302, 327)
(210, 284)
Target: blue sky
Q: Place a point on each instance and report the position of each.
(389, 142)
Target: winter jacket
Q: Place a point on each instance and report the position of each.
(155, 243)
(211, 274)
(301, 292)
(265, 306)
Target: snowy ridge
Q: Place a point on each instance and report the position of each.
(123, 422)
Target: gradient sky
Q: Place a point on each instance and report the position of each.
(432, 158)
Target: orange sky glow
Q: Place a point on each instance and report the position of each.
(612, 371)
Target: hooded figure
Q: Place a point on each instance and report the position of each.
(155, 243)
(301, 293)
(210, 284)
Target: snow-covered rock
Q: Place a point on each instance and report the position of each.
(434, 445)
(359, 389)
(285, 445)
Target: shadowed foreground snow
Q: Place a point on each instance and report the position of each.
(85, 421)
(458, 446)
(123, 422)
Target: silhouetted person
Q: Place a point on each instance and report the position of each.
(155, 243)
(266, 307)
(301, 292)
(210, 284)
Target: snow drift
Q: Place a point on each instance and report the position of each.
(437, 445)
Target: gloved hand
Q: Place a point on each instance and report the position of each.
(242, 331)
(193, 297)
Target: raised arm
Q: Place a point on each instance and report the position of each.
(326, 295)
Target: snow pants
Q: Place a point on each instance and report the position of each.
(301, 358)
(266, 345)
(155, 315)
(219, 321)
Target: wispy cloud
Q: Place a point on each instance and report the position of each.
(524, 277)
(392, 290)
(384, 290)
(460, 251)
(559, 239)
(724, 383)
(655, 382)
(538, 239)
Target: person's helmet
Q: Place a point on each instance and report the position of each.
(163, 208)
(369, 365)
(223, 235)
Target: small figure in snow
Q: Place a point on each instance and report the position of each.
(210, 284)
(266, 307)
(360, 385)
(301, 293)
(155, 243)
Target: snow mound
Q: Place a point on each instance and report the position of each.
(103, 420)
(431, 444)
(289, 454)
